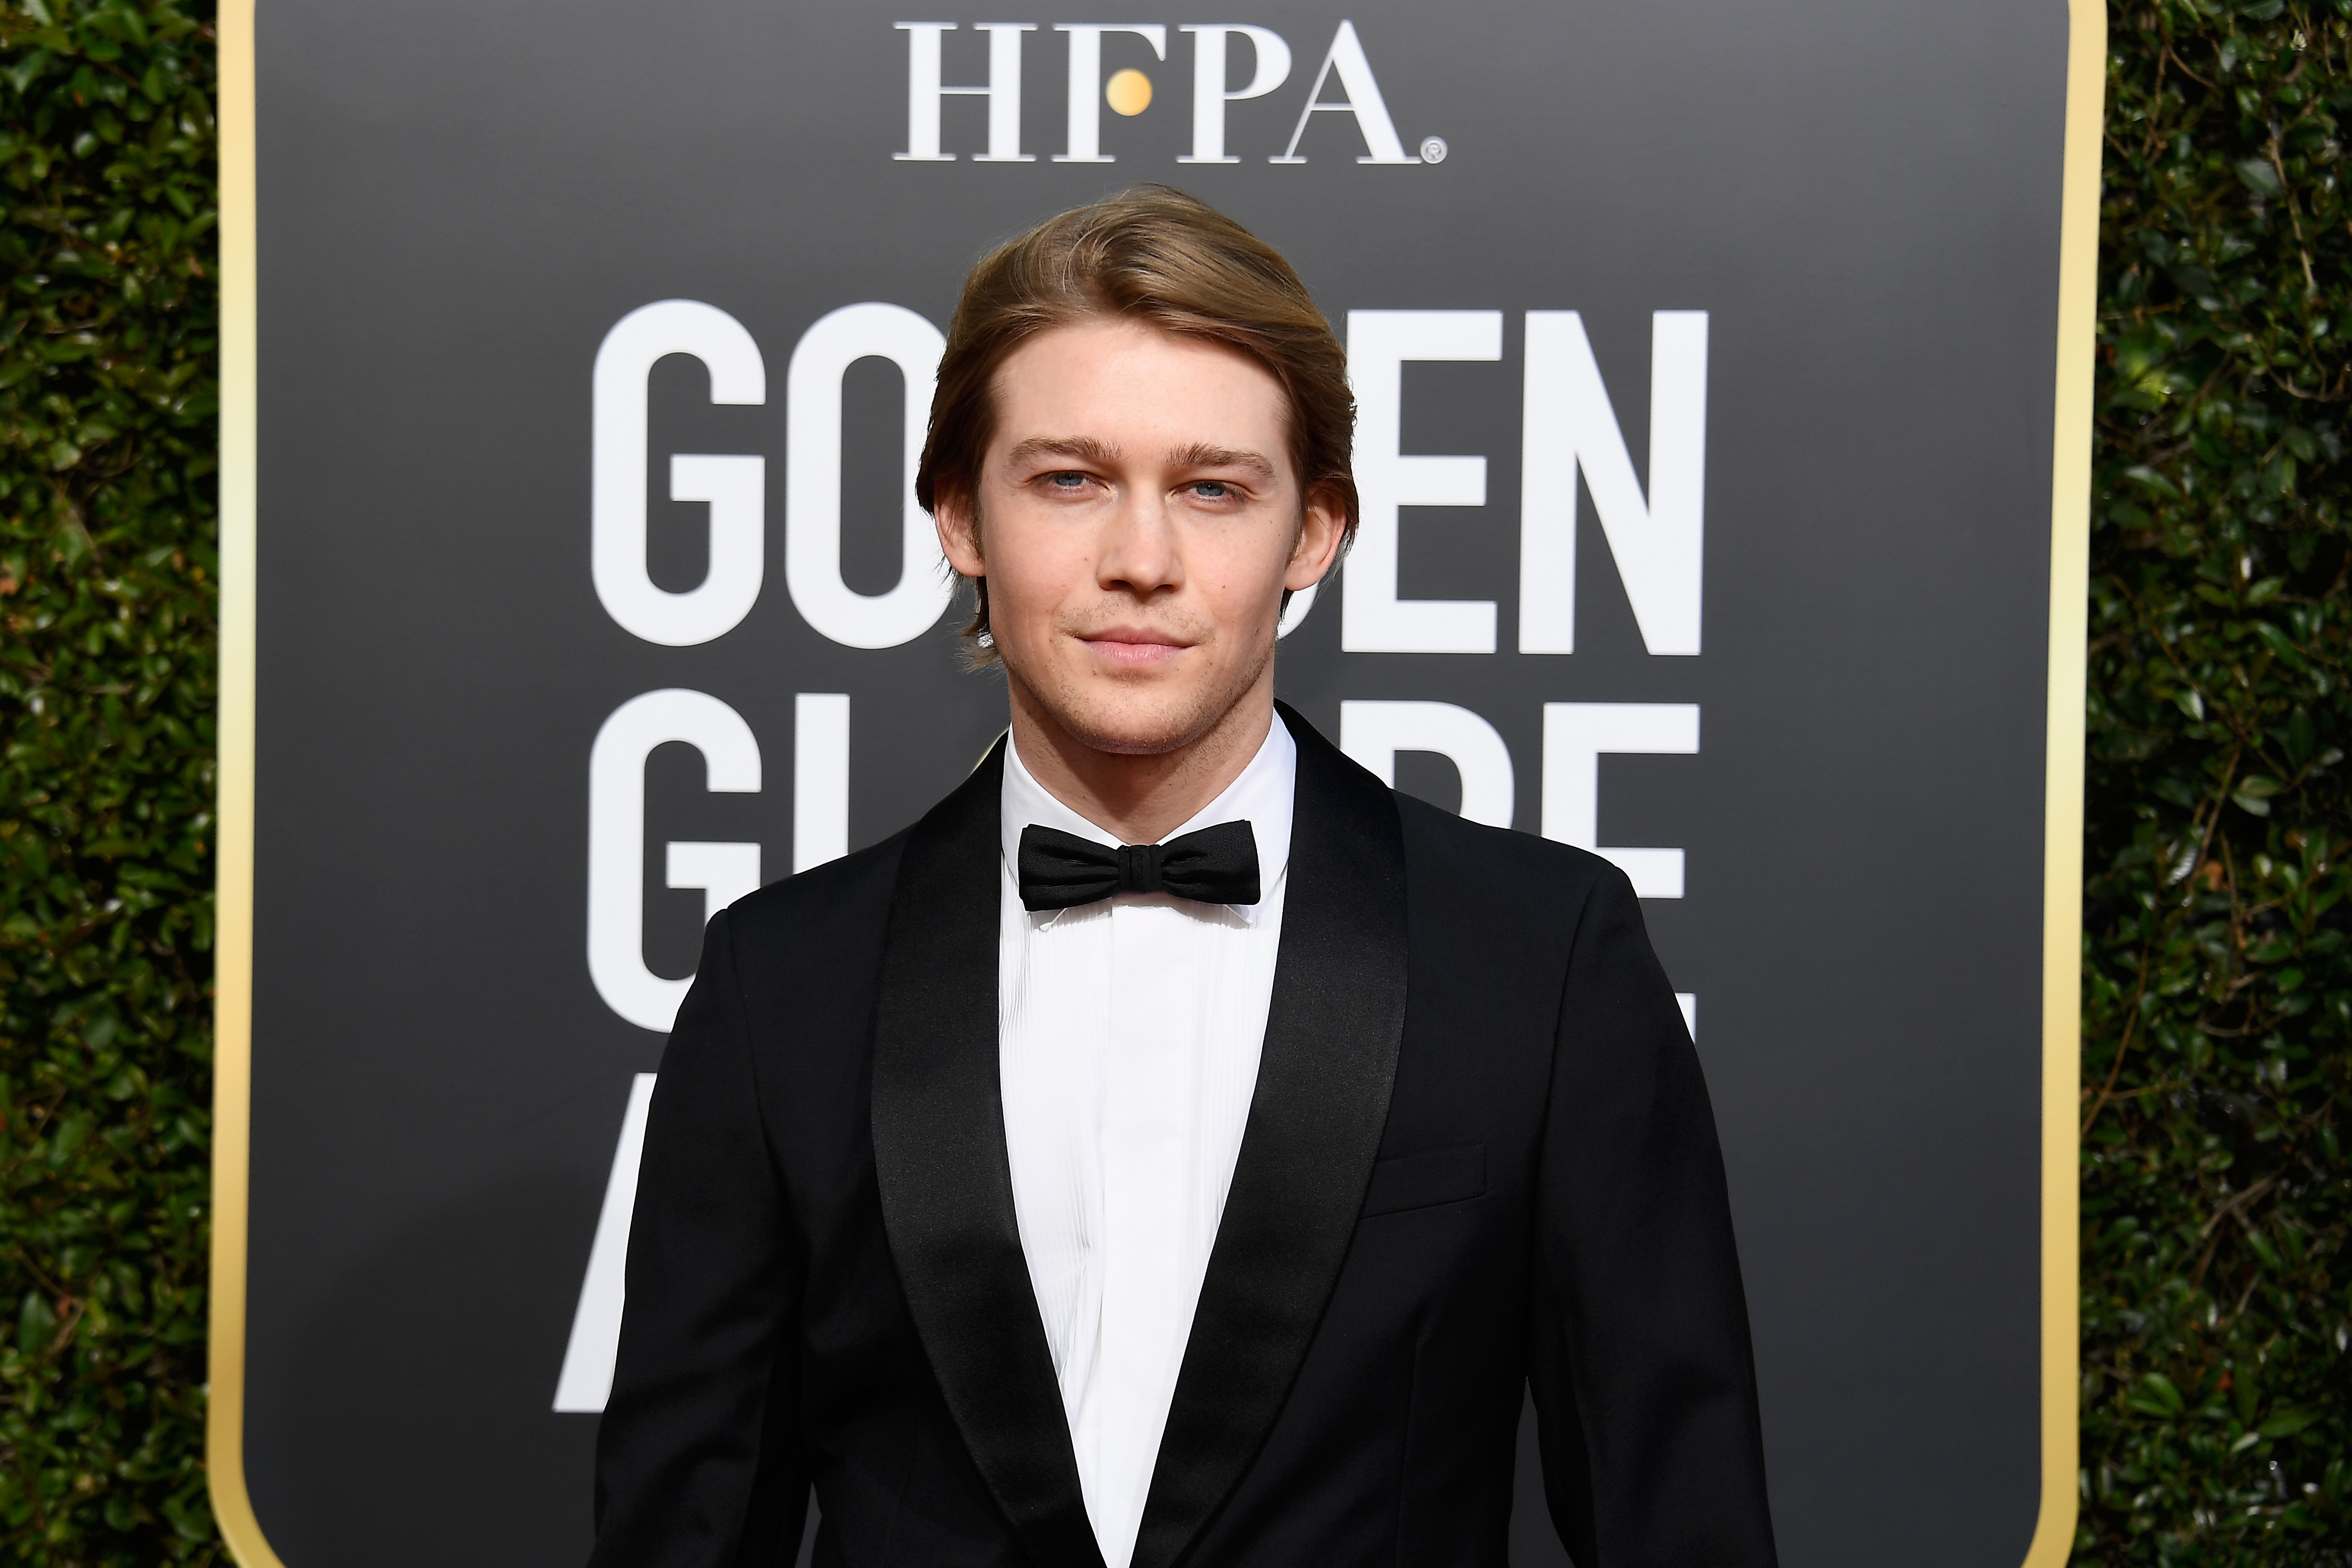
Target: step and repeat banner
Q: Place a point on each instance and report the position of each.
(1712, 364)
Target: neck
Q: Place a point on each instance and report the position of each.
(1140, 799)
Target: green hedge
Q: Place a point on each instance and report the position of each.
(2217, 1000)
(2216, 1289)
(107, 570)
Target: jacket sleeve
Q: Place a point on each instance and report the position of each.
(698, 1459)
(1638, 1351)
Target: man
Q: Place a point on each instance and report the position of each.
(1176, 1146)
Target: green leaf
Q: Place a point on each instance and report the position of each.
(36, 1322)
(22, 74)
(2155, 1394)
(2287, 1423)
(2299, 736)
(2259, 177)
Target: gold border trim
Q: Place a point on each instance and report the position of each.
(233, 940)
(2061, 888)
(2063, 808)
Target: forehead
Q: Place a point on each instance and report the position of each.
(1139, 389)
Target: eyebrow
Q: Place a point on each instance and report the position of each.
(1087, 449)
(1202, 456)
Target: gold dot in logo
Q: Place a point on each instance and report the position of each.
(1127, 92)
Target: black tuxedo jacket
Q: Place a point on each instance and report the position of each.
(1479, 1157)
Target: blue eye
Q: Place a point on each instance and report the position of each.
(1069, 481)
(1211, 489)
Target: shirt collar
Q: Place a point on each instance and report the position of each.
(1262, 796)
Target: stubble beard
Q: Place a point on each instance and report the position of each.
(1138, 715)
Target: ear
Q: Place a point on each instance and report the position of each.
(959, 529)
(1321, 532)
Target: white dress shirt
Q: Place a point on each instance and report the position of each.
(1127, 1039)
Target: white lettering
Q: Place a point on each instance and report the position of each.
(1345, 56)
(820, 779)
(1374, 619)
(812, 478)
(617, 832)
(1002, 92)
(1374, 732)
(1209, 92)
(1086, 82)
(586, 1381)
(721, 873)
(1568, 426)
(734, 487)
(1296, 611)
(1576, 735)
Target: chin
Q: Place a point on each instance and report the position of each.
(1146, 717)
(1127, 728)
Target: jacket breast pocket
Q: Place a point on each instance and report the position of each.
(1424, 1181)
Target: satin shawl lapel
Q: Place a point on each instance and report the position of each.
(1332, 1034)
(946, 1184)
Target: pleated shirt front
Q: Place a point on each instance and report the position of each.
(1128, 1033)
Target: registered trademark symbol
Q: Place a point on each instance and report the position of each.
(1433, 150)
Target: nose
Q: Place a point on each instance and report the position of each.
(1138, 552)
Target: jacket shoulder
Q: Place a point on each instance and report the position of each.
(1501, 868)
(837, 899)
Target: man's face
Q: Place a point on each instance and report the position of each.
(1139, 519)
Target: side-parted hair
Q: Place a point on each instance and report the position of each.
(1156, 256)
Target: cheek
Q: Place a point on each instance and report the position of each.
(1032, 566)
(1247, 570)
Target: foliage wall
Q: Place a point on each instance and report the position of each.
(107, 570)
(2218, 998)
(2217, 1288)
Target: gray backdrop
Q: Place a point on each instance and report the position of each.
(458, 201)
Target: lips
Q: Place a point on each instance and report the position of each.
(1132, 647)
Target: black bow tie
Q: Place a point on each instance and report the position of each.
(1061, 871)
